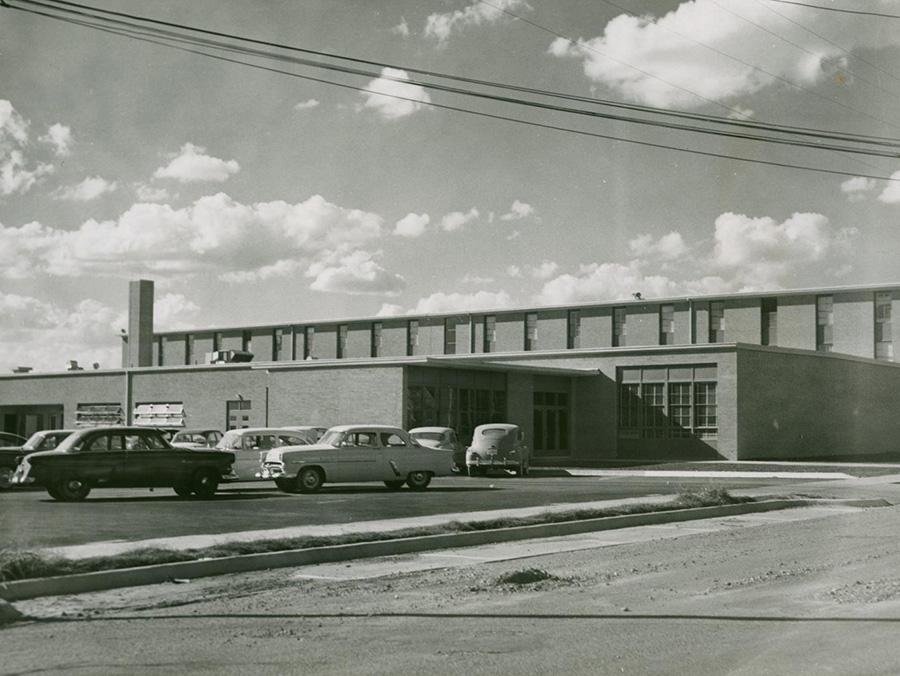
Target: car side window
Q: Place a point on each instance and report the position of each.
(98, 444)
(391, 439)
(363, 439)
(134, 442)
(289, 440)
(213, 438)
(153, 442)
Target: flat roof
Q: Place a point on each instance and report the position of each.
(536, 308)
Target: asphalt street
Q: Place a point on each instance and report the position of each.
(31, 519)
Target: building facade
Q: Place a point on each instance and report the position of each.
(781, 375)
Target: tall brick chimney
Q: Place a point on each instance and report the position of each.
(140, 323)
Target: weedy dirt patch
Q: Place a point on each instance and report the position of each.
(18, 564)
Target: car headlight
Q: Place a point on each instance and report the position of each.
(474, 456)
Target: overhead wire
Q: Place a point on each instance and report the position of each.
(807, 51)
(134, 34)
(856, 138)
(838, 9)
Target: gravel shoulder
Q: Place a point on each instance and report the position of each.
(812, 597)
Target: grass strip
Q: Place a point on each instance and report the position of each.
(18, 564)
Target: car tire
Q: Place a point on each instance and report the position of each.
(51, 490)
(182, 489)
(205, 483)
(418, 481)
(71, 489)
(310, 479)
(395, 485)
(6, 478)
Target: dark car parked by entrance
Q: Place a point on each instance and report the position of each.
(122, 457)
(10, 456)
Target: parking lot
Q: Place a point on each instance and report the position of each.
(30, 518)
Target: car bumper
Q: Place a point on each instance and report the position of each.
(496, 463)
(270, 472)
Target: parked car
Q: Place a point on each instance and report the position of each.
(10, 456)
(10, 439)
(350, 453)
(251, 444)
(443, 438)
(314, 433)
(199, 438)
(498, 446)
(131, 457)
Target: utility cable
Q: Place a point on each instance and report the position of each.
(838, 9)
(465, 110)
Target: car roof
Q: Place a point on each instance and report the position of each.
(261, 430)
(198, 430)
(364, 426)
(431, 429)
(503, 426)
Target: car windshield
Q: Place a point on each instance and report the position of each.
(332, 438)
(495, 433)
(34, 441)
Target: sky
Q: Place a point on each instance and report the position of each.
(255, 197)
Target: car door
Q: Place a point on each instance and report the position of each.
(399, 458)
(100, 460)
(149, 461)
(248, 460)
(356, 459)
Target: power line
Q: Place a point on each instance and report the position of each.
(134, 35)
(855, 138)
(838, 9)
(803, 49)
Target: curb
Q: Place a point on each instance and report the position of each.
(133, 577)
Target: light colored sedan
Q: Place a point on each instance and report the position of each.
(351, 453)
(250, 445)
(443, 438)
(498, 446)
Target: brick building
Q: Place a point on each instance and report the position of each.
(786, 374)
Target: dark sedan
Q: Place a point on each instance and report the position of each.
(10, 455)
(122, 457)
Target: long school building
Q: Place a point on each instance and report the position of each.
(791, 374)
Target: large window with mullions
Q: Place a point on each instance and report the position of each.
(667, 402)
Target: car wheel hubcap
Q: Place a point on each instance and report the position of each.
(73, 485)
(310, 479)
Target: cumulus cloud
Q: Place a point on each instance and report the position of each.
(215, 234)
(60, 137)
(89, 189)
(891, 193)
(545, 270)
(669, 247)
(401, 29)
(392, 96)
(457, 219)
(412, 225)
(661, 60)
(440, 26)
(513, 271)
(476, 279)
(355, 273)
(515, 234)
(748, 254)
(192, 165)
(149, 193)
(517, 211)
(45, 335)
(443, 303)
(17, 175)
(855, 188)
(307, 105)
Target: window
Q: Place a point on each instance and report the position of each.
(412, 336)
(884, 340)
(449, 336)
(308, 342)
(217, 341)
(717, 322)
(667, 402)
(769, 321)
(531, 330)
(389, 439)
(666, 324)
(161, 351)
(551, 422)
(618, 337)
(277, 344)
(490, 332)
(342, 341)
(824, 323)
(246, 341)
(237, 414)
(573, 330)
(376, 339)
(188, 348)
